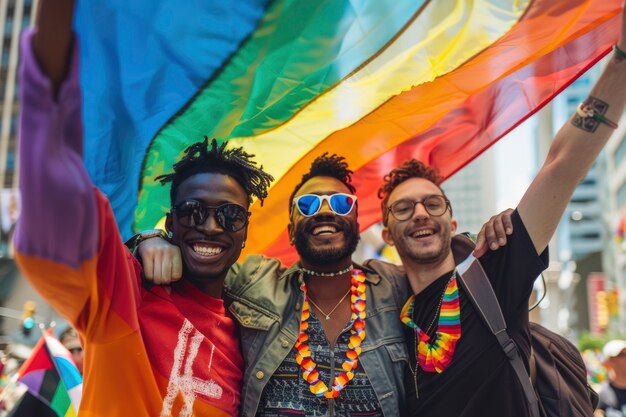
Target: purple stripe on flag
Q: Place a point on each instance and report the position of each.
(33, 380)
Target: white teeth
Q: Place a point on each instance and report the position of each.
(205, 250)
(324, 229)
(421, 233)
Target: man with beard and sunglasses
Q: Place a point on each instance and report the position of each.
(322, 337)
(306, 345)
(148, 350)
(457, 366)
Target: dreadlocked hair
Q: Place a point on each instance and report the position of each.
(334, 166)
(409, 169)
(201, 158)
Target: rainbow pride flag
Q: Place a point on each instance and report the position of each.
(51, 375)
(376, 81)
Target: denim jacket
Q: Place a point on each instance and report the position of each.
(267, 303)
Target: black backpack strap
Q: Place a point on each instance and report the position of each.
(479, 290)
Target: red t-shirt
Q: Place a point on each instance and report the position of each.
(148, 351)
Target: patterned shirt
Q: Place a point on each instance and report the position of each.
(287, 394)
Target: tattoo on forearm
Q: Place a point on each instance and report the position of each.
(589, 123)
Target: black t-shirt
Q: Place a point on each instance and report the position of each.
(617, 403)
(621, 397)
(480, 380)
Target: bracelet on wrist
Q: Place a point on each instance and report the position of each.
(135, 240)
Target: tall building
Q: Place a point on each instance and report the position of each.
(613, 201)
(15, 15)
(581, 232)
(471, 192)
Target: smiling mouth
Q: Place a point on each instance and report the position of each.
(205, 249)
(324, 230)
(423, 233)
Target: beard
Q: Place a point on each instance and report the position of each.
(315, 254)
(407, 248)
(423, 257)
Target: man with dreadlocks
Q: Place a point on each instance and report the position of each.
(306, 346)
(149, 351)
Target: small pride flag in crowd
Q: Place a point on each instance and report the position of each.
(51, 375)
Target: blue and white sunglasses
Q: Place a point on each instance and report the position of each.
(310, 204)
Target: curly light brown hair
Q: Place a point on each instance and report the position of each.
(409, 169)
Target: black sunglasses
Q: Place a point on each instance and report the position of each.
(230, 216)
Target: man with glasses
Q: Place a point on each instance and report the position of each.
(149, 350)
(457, 367)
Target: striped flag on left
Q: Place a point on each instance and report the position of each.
(51, 375)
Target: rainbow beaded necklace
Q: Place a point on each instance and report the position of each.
(436, 355)
(303, 352)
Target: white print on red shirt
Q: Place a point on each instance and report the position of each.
(184, 382)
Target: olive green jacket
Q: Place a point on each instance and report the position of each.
(267, 303)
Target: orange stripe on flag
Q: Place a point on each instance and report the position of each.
(454, 118)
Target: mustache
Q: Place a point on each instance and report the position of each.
(314, 221)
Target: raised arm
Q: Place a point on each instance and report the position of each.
(58, 217)
(52, 42)
(575, 147)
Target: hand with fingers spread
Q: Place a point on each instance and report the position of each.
(493, 233)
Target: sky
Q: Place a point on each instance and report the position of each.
(515, 164)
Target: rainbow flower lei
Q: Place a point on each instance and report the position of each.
(436, 355)
(303, 351)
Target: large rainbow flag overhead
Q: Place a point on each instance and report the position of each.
(377, 81)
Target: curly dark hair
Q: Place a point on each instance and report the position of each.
(325, 165)
(201, 158)
(409, 169)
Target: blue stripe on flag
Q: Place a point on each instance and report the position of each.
(141, 61)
